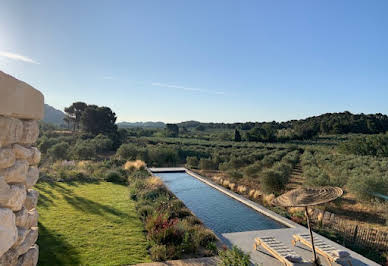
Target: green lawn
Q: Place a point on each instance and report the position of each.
(89, 224)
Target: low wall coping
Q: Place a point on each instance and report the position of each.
(20, 100)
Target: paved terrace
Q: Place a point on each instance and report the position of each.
(245, 240)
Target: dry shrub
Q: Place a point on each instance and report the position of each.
(226, 183)
(251, 193)
(138, 164)
(232, 186)
(241, 189)
(320, 217)
(217, 178)
(293, 210)
(257, 194)
(154, 181)
(84, 163)
(268, 198)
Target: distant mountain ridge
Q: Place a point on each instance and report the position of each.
(141, 124)
(53, 116)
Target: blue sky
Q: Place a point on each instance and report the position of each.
(223, 61)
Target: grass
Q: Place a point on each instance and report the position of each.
(89, 224)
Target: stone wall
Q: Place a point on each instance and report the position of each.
(21, 106)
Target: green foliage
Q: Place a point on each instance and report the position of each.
(237, 135)
(172, 130)
(375, 145)
(172, 230)
(364, 175)
(84, 150)
(253, 170)
(96, 120)
(59, 151)
(271, 181)
(128, 151)
(74, 113)
(158, 252)
(192, 162)
(264, 133)
(102, 143)
(234, 257)
(116, 177)
(207, 164)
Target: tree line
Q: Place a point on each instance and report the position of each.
(329, 123)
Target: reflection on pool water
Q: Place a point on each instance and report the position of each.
(217, 211)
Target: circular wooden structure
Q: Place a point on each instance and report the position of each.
(302, 197)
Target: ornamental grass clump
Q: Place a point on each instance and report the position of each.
(234, 257)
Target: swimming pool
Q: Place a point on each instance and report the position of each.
(216, 210)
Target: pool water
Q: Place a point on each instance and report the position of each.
(216, 210)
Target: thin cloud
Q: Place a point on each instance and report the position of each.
(17, 57)
(157, 84)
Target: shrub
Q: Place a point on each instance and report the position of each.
(234, 257)
(115, 177)
(207, 164)
(272, 181)
(132, 165)
(235, 174)
(162, 230)
(145, 211)
(163, 155)
(158, 253)
(253, 170)
(102, 143)
(192, 162)
(204, 236)
(127, 152)
(193, 220)
(366, 186)
(59, 151)
(46, 143)
(84, 150)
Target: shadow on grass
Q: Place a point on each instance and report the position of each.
(54, 250)
(44, 201)
(89, 206)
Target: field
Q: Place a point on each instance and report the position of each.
(89, 224)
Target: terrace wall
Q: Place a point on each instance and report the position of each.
(21, 106)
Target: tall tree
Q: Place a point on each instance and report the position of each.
(74, 112)
(237, 136)
(172, 130)
(68, 120)
(96, 120)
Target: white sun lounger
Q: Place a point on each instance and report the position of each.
(321, 247)
(277, 249)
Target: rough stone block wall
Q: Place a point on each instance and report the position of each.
(21, 108)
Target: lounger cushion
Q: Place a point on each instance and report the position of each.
(294, 258)
(341, 253)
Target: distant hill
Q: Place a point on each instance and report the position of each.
(141, 124)
(53, 116)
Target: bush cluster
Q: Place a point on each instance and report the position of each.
(172, 230)
(363, 175)
(234, 257)
(84, 171)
